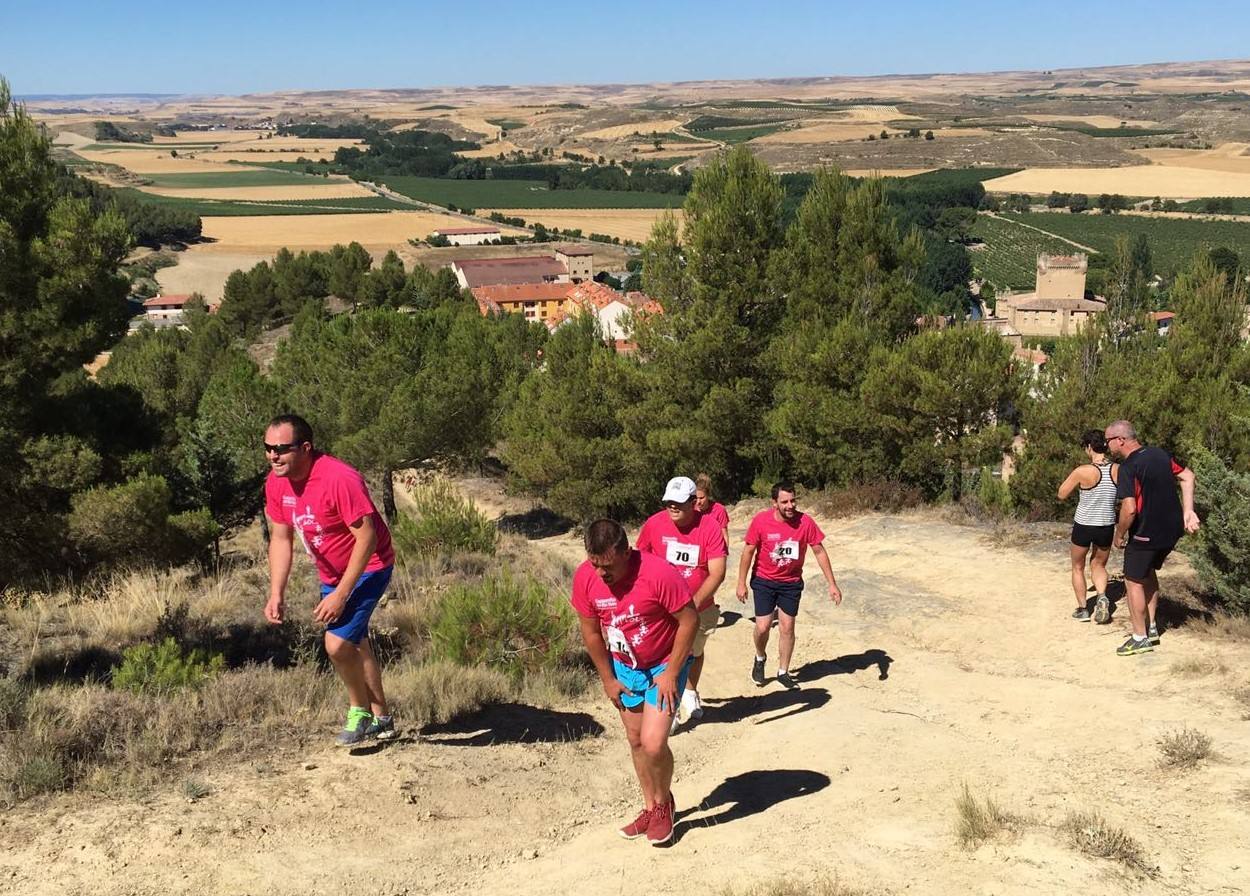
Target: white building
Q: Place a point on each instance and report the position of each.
(165, 310)
(469, 236)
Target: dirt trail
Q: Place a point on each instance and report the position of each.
(950, 661)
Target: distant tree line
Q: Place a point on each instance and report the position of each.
(108, 132)
(150, 224)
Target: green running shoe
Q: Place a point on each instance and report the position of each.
(1133, 646)
(354, 733)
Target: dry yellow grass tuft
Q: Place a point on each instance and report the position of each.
(1183, 749)
(1090, 833)
(979, 820)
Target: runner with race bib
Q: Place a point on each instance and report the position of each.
(638, 623)
(777, 541)
(693, 544)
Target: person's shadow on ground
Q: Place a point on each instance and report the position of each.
(749, 794)
(848, 664)
(735, 709)
(513, 723)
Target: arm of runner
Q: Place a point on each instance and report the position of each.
(666, 695)
(744, 570)
(592, 637)
(331, 606)
(1128, 510)
(1187, 479)
(715, 575)
(1069, 485)
(280, 540)
(822, 560)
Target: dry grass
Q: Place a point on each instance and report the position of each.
(1183, 749)
(829, 132)
(980, 820)
(146, 161)
(1196, 666)
(869, 497)
(325, 189)
(1090, 833)
(616, 132)
(822, 885)
(1242, 696)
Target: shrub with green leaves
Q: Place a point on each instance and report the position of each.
(1221, 552)
(443, 522)
(164, 668)
(513, 624)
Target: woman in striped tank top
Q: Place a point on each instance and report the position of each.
(1093, 526)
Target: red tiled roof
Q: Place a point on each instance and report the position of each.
(505, 294)
(158, 301)
(1032, 355)
(1157, 316)
(493, 271)
(596, 294)
(461, 231)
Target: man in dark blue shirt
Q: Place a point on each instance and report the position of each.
(1151, 521)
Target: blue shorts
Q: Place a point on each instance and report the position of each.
(641, 682)
(770, 595)
(353, 624)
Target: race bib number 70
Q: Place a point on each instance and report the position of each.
(679, 554)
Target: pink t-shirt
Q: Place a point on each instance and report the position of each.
(637, 612)
(782, 546)
(687, 552)
(720, 514)
(321, 510)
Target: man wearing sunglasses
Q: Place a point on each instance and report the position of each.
(326, 504)
(1150, 522)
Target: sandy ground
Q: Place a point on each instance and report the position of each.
(657, 126)
(627, 223)
(1166, 181)
(950, 661)
(323, 189)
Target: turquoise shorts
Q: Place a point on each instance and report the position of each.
(641, 682)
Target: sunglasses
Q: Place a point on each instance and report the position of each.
(281, 449)
(673, 505)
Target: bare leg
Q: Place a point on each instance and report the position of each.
(373, 679)
(1151, 587)
(1136, 592)
(348, 663)
(656, 754)
(1077, 555)
(785, 649)
(1098, 568)
(762, 625)
(696, 669)
(632, 720)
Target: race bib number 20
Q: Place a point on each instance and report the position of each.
(787, 550)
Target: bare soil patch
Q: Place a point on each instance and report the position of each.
(657, 126)
(1166, 181)
(146, 161)
(269, 233)
(1231, 157)
(628, 224)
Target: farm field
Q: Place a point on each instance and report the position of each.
(1173, 242)
(1007, 257)
(1165, 181)
(146, 162)
(273, 232)
(1231, 157)
(522, 194)
(827, 132)
(220, 208)
(234, 176)
(628, 224)
(645, 128)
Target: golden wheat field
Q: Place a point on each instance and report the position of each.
(827, 132)
(626, 223)
(255, 233)
(147, 161)
(341, 189)
(656, 126)
(1165, 181)
(1097, 121)
(1231, 157)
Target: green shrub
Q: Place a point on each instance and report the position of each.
(164, 668)
(35, 775)
(191, 534)
(126, 521)
(12, 704)
(513, 624)
(444, 522)
(1221, 552)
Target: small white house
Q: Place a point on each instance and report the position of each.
(469, 236)
(165, 309)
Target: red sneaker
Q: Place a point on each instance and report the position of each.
(638, 826)
(661, 828)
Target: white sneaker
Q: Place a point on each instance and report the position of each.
(691, 707)
(696, 708)
(672, 729)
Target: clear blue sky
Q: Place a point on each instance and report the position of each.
(229, 46)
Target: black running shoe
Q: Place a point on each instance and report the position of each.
(757, 673)
(1080, 614)
(784, 679)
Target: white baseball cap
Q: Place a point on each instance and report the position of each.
(680, 489)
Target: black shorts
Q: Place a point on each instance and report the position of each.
(1140, 561)
(770, 595)
(1099, 536)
